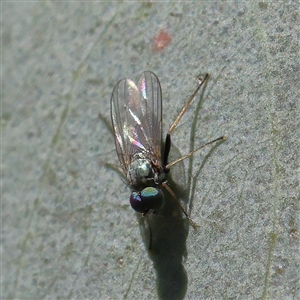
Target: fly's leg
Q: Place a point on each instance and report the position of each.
(185, 107)
(168, 166)
(194, 224)
(175, 123)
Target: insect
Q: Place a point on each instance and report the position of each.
(136, 113)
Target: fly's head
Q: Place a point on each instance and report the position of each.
(149, 199)
(144, 176)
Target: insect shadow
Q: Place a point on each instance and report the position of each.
(168, 228)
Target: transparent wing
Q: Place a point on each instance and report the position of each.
(136, 112)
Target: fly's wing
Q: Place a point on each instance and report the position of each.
(136, 112)
(151, 106)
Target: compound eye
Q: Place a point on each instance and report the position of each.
(136, 202)
(148, 198)
(152, 198)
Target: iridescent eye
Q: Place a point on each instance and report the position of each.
(136, 202)
(152, 198)
(149, 198)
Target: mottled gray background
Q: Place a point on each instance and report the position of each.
(68, 231)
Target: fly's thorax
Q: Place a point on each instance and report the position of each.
(144, 172)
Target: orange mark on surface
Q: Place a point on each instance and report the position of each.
(161, 40)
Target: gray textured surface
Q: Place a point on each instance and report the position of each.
(67, 228)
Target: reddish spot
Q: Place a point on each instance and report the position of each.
(161, 40)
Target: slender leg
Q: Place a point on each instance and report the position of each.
(185, 107)
(182, 112)
(168, 166)
(164, 184)
(168, 146)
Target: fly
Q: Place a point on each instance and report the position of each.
(136, 113)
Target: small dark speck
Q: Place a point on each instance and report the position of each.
(176, 15)
(280, 270)
(30, 135)
(74, 173)
(263, 5)
(43, 212)
(279, 29)
(94, 81)
(241, 13)
(120, 261)
(294, 234)
(36, 203)
(6, 116)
